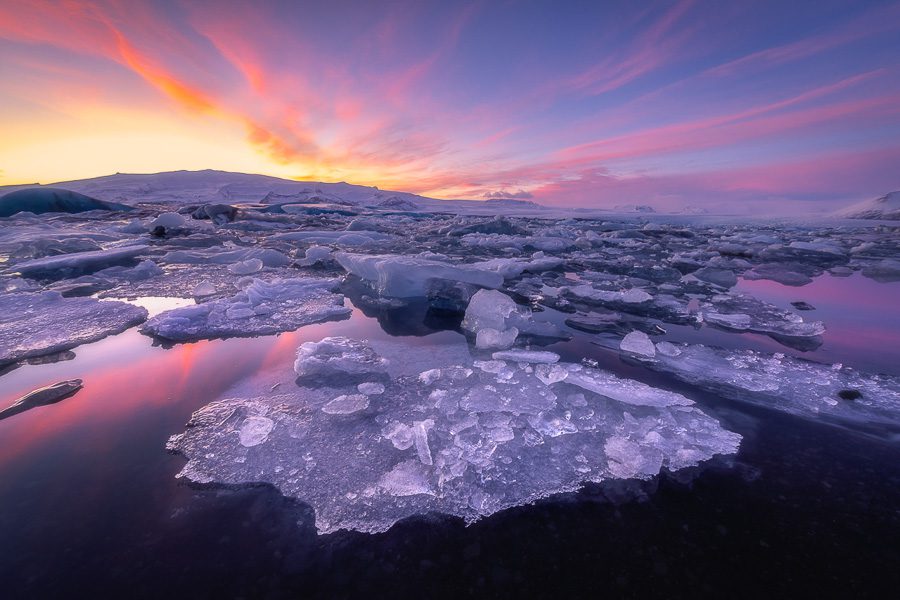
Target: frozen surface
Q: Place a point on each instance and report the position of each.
(261, 308)
(34, 324)
(466, 440)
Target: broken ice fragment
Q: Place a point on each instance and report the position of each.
(347, 404)
(255, 430)
(246, 267)
(420, 431)
(337, 356)
(46, 323)
(370, 388)
(638, 342)
(262, 308)
(484, 440)
(527, 356)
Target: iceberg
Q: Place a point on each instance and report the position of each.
(400, 276)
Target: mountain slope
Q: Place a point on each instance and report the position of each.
(222, 186)
(887, 207)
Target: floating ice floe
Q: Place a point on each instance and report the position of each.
(741, 312)
(218, 256)
(262, 308)
(792, 385)
(513, 267)
(34, 324)
(462, 440)
(77, 263)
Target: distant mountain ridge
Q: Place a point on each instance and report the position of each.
(886, 207)
(223, 186)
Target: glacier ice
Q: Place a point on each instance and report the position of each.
(796, 386)
(261, 308)
(338, 356)
(454, 439)
(77, 263)
(35, 324)
(406, 276)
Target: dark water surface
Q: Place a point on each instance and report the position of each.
(90, 507)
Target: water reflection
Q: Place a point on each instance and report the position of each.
(862, 318)
(89, 493)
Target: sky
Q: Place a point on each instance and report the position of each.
(754, 106)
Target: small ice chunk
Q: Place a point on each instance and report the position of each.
(489, 338)
(527, 356)
(638, 342)
(347, 404)
(337, 356)
(167, 220)
(370, 388)
(420, 430)
(401, 436)
(488, 309)
(408, 478)
(667, 349)
(314, 255)
(203, 288)
(255, 430)
(246, 267)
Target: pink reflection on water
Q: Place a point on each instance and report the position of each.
(127, 380)
(862, 317)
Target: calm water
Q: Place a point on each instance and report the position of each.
(89, 505)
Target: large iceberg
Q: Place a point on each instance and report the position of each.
(466, 440)
(408, 276)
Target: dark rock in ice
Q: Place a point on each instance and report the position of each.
(42, 397)
(850, 394)
(801, 305)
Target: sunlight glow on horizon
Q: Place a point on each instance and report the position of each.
(593, 105)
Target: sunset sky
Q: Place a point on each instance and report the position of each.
(596, 103)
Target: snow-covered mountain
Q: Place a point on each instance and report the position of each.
(222, 186)
(887, 207)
